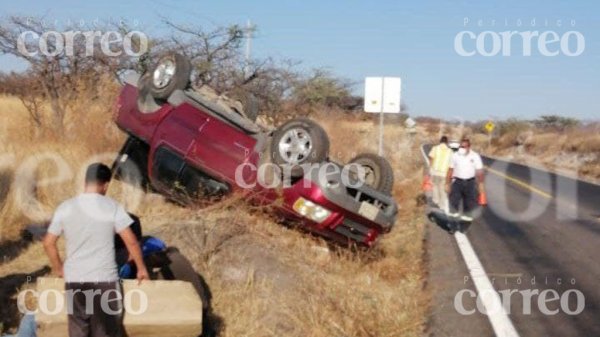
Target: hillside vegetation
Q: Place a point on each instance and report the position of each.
(555, 143)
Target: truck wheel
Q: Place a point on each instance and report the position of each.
(376, 172)
(297, 142)
(181, 269)
(172, 72)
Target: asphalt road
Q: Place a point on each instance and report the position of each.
(540, 231)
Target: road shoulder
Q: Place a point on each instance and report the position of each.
(446, 277)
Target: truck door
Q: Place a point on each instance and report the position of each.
(221, 148)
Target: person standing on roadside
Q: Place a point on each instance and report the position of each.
(440, 156)
(88, 223)
(464, 178)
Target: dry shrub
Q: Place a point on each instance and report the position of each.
(539, 144)
(433, 127)
(591, 168)
(29, 164)
(582, 142)
(507, 140)
(480, 142)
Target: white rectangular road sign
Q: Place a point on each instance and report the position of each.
(382, 94)
(391, 94)
(373, 94)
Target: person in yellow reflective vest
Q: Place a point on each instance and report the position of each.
(440, 157)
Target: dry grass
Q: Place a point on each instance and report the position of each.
(574, 152)
(266, 279)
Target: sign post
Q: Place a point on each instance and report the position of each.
(382, 95)
(489, 127)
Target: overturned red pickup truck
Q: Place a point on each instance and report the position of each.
(187, 143)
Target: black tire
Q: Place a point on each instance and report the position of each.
(314, 148)
(180, 79)
(181, 269)
(378, 172)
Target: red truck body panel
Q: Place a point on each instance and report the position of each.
(218, 149)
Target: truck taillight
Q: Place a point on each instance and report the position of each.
(371, 236)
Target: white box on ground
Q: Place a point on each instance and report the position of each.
(382, 94)
(172, 309)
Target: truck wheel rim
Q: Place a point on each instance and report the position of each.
(163, 74)
(295, 146)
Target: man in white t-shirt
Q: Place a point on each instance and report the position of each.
(88, 223)
(465, 176)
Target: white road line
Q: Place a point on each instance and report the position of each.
(501, 324)
(490, 299)
(425, 157)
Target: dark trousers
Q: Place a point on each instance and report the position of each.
(94, 309)
(465, 191)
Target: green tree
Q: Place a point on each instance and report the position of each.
(321, 87)
(556, 122)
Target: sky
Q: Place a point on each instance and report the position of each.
(413, 40)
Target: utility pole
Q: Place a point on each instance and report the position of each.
(380, 147)
(249, 32)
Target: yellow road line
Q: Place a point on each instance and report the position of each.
(521, 183)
